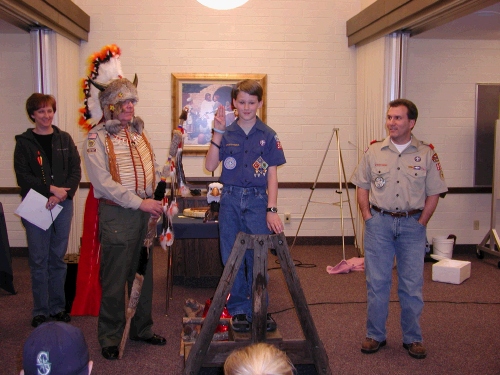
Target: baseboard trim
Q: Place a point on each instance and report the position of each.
(301, 241)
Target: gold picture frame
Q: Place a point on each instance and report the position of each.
(193, 89)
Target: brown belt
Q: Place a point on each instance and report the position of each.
(109, 202)
(397, 214)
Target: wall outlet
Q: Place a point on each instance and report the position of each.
(288, 218)
(476, 224)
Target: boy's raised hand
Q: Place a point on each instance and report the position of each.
(220, 118)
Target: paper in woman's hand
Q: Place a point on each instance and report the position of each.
(32, 208)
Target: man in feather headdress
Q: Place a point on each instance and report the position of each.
(122, 169)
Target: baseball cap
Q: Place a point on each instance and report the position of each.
(56, 348)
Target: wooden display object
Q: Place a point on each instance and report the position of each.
(197, 212)
(205, 352)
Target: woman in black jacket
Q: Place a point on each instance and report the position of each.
(47, 160)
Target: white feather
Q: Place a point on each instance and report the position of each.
(108, 71)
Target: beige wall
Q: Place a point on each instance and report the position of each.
(441, 80)
(16, 85)
(300, 45)
(302, 48)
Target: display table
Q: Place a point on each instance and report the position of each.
(196, 259)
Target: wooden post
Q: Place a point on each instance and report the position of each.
(301, 308)
(200, 347)
(310, 350)
(259, 288)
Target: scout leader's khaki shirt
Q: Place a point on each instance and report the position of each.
(400, 182)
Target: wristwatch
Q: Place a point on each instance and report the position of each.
(272, 209)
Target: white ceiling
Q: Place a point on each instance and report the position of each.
(483, 24)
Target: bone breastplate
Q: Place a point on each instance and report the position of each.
(131, 161)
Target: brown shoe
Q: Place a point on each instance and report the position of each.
(371, 346)
(416, 350)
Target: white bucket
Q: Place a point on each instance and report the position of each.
(443, 246)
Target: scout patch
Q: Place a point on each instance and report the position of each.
(418, 159)
(278, 143)
(230, 163)
(91, 142)
(435, 158)
(262, 142)
(379, 182)
(260, 166)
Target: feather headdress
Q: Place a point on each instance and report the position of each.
(104, 66)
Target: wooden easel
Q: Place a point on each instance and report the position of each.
(214, 353)
(339, 191)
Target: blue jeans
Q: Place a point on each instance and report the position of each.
(241, 210)
(46, 260)
(405, 238)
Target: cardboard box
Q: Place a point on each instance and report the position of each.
(451, 271)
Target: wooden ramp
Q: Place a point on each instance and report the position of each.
(207, 353)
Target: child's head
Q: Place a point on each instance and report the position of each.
(249, 86)
(56, 348)
(258, 359)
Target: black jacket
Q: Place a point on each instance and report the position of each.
(66, 170)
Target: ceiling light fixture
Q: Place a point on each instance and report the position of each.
(222, 4)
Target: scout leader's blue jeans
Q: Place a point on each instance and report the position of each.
(241, 210)
(46, 260)
(405, 238)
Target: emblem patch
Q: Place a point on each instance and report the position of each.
(435, 158)
(43, 363)
(260, 166)
(230, 163)
(417, 158)
(278, 143)
(379, 182)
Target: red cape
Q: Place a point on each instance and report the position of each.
(88, 288)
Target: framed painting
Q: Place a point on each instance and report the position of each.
(201, 94)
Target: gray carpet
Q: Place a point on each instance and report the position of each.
(460, 322)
